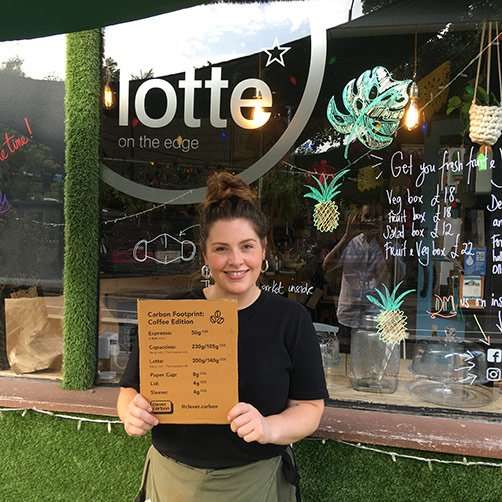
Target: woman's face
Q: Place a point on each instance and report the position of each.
(234, 254)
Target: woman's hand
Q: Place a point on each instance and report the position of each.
(353, 227)
(138, 418)
(249, 424)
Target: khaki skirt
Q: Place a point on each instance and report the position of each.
(166, 480)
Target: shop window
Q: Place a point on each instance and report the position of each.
(397, 260)
(31, 206)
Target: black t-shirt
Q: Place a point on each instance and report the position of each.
(279, 359)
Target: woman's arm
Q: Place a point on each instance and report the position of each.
(298, 420)
(135, 412)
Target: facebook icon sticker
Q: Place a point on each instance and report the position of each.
(494, 355)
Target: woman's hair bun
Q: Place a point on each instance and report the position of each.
(223, 186)
(229, 197)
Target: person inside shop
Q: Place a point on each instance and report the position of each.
(360, 255)
(281, 379)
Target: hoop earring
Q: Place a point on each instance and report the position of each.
(205, 272)
(263, 270)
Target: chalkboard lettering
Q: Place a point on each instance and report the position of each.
(394, 232)
(395, 200)
(396, 217)
(397, 166)
(495, 204)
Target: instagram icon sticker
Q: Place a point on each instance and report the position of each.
(493, 374)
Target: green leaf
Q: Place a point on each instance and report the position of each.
(373, 300)
(335, 183)
(375, 104)
(482, 95)
(383, 297)
(314, 193)
(322, 186)
(399, 300)
(394, 291)
(465, 108)
(313, 196)
(469, 90)
(388, 294)
(453, 104)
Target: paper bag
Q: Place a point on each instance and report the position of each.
(34, 342)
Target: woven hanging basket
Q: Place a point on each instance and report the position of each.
(485, 122)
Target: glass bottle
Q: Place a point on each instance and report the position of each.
(374, 364)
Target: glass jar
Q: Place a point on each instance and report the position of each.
(374, 364)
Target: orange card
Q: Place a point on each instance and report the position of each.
(188, 359)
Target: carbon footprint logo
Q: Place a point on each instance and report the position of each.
(217, 318)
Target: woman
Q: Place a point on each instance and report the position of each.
(281, 380)
(360, 255)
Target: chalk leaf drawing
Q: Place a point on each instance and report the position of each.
(391, 321)
(326, 214)
(375, 104)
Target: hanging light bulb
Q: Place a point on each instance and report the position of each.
(108, 92)
(412, 114)
(108, 96)
(258, 114)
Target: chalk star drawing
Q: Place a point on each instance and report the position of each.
(276, 53)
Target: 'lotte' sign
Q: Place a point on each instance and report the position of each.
(190, 84)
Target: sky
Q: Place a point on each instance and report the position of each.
(188, 38)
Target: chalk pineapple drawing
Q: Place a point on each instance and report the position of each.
(326, 214)
(391, 321)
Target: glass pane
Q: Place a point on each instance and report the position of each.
(31, 205)
(388, 236)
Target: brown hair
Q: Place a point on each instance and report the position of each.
(230, 197)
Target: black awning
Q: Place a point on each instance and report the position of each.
(421, 16)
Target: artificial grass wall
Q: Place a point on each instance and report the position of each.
(46, 459)
(81, 207)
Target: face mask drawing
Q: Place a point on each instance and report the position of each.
(164, 249)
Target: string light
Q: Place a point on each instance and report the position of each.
(80, 420)
(394, 455)
(127, 217)
(428, 460)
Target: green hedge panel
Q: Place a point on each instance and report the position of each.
(81, 207)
